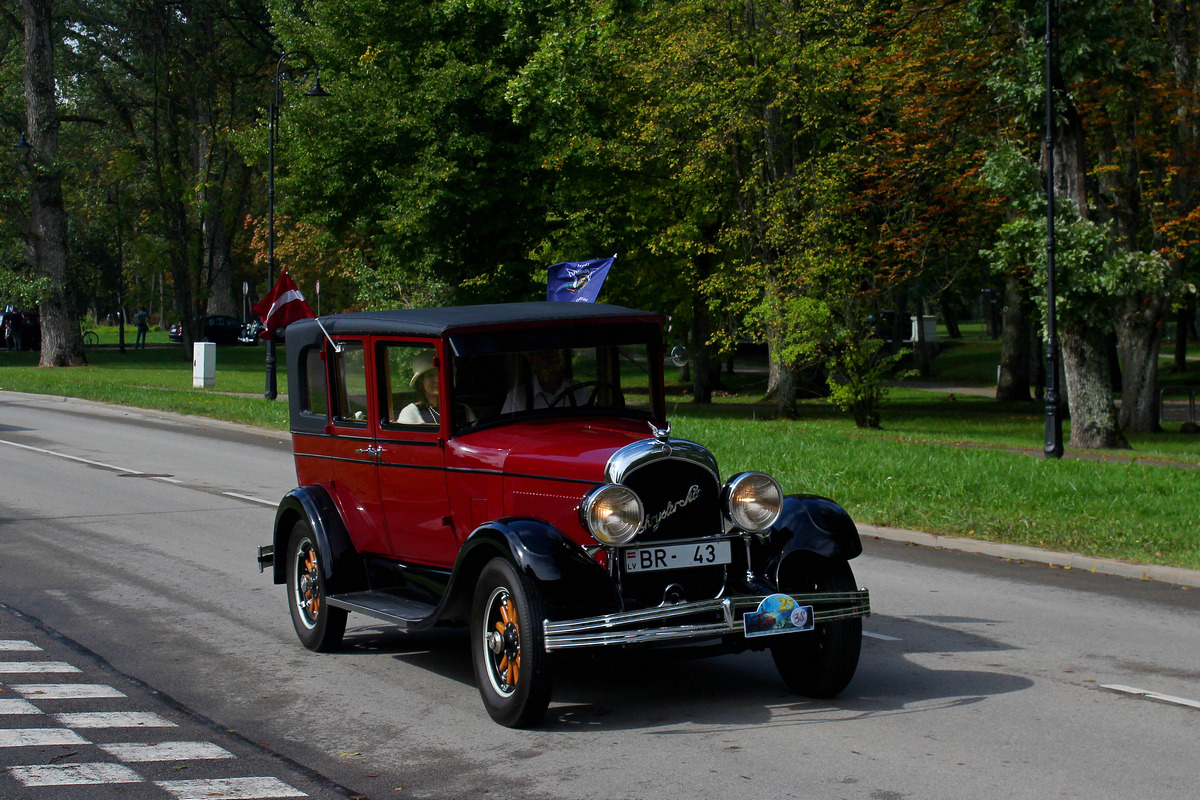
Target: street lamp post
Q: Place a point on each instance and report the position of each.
(1054, 433)
(272, 390)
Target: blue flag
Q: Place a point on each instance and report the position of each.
(577, 281)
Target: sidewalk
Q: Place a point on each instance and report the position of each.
(1037, 555)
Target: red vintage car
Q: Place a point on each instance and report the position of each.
(510, 468)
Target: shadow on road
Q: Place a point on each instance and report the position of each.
(615, 690)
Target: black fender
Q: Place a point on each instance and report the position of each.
(342, 566)
(813, 524)
(572, 583)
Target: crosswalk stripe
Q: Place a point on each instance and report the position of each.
(18, 646)
(25, 667)
(64, 691)
(230, 789)
(39, 737)
(74, 774)
(166, 751)
(16, 706)
(113, 719)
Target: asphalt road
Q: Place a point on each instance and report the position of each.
(127, 544)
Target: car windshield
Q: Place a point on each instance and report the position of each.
(545, 372)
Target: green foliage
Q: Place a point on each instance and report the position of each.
(1093, 274)
(859, 370)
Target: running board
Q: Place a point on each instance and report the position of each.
(387, 607)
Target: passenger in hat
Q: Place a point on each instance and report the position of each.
(425, 411)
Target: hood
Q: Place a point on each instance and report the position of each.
(572, 449)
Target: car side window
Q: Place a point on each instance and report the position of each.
(408, 385)
(350, 376)
(314, 384)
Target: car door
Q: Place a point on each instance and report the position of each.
(349, 453)
(410, 440)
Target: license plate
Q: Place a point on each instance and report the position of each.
(677, 556)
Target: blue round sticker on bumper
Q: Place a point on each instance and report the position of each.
(778, 613)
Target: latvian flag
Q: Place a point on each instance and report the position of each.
(282, 306)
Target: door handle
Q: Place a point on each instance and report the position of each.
(373, 451)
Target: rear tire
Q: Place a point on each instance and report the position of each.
(508, 646)
(820, 663)
(319, 626)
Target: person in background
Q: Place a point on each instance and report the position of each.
(142, 319)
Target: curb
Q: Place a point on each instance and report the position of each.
(1105, 566)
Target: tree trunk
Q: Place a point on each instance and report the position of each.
(1139, 338)
(1089, 392)
(1183, 321)
(1084, 344)
(46, 245)
(950, 317)
(1013, 382)
(702, 360)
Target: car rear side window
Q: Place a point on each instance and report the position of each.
(315, 401)
(350, 374)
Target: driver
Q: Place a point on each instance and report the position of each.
(548, 387)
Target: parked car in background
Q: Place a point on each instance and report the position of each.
(510, 468)
(250, 332)
(217, 328)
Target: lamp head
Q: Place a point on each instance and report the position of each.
(316, 90)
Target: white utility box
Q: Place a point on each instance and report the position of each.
(204, 365)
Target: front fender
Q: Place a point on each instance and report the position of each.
(817, 525)
(571, 582)
(341, 564)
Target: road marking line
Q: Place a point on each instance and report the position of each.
(881, 636)
(230, 789)
(78, 459)
(65, 691)
(166, 751)
(74, 774)
(25, 667)
(1165, 698)
(18, 646)
(18, 707)
(113, 719)
(39, 737)
(250, 498)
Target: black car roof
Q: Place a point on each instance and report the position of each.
(436, 322)
(439, 321)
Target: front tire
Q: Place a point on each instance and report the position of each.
(820, 663)
(319, 626)
(508, 648)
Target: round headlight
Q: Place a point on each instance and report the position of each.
(612, 514)
(753, 500)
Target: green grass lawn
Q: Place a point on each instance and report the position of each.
(945, 462)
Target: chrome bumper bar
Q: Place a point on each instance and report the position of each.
(697, 620)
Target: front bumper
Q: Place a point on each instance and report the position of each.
(702, 619)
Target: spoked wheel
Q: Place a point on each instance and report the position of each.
(821, 662)
(319, 626)
(508, 649)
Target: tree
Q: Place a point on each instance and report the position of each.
(46, 243)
